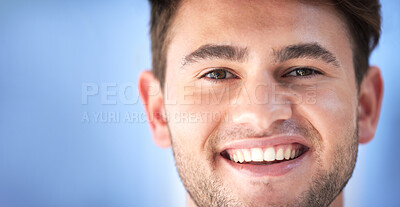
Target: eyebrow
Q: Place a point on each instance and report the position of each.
(210, 51)
(306, 50)
(240, 54)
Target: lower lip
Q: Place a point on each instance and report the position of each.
(276, 169)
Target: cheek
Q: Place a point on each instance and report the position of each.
(194, 113)
(334, 116)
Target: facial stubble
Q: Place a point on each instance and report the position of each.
(206, 188)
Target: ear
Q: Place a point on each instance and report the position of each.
(369, 107)
(152, 97)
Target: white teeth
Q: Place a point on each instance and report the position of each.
(235, 158)
(240, 156)
(279, 154)
(293, 154)
(287, 153)
(269, 154)
(257, 154)
(247, 155)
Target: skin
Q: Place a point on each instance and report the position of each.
(338, 118)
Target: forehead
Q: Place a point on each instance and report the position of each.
(257, 25)
(238, 12)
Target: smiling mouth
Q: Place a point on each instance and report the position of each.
(265, 156)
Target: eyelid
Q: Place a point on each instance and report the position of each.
(291, 69)
(209, 70)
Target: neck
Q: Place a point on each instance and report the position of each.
(338, 202)
(189, 201)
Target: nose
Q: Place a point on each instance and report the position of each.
(261, 105)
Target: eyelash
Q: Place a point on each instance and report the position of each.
(227, 73)
(287, 75)
(297, 71)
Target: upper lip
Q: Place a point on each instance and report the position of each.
(250, 142)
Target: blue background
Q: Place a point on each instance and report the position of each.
(51, 156)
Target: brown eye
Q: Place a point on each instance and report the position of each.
(302, 72)
(218, 74)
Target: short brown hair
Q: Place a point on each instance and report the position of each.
(363, 18)
(162, 14)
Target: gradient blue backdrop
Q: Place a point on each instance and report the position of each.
(52, 53)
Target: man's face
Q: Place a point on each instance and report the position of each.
(261, 102)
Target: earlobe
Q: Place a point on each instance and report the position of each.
(152, 97)
(370, 100)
